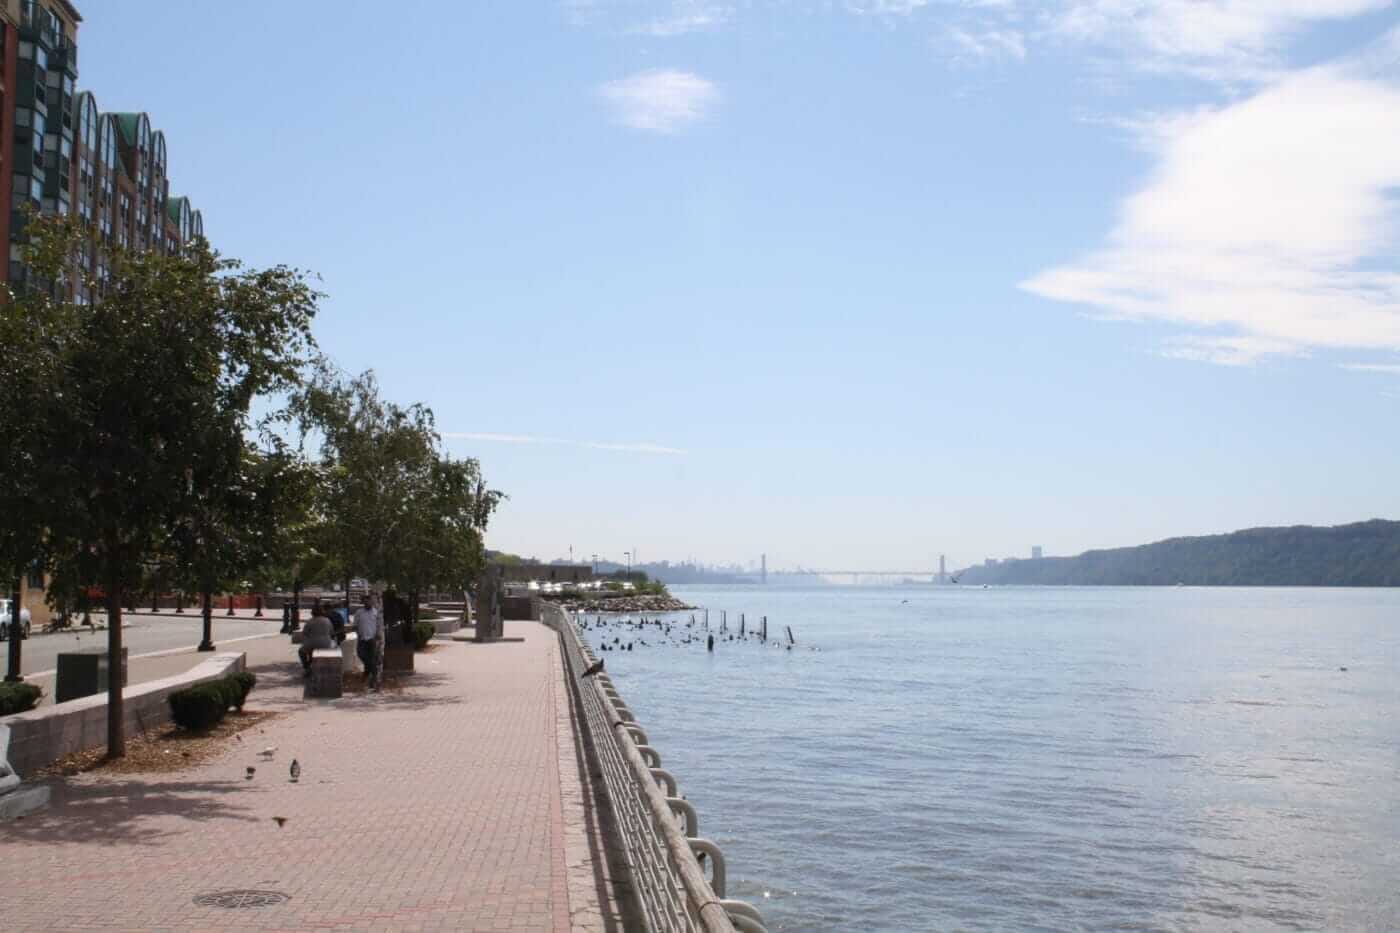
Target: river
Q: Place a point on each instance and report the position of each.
(932, 758)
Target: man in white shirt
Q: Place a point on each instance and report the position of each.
(368, 628)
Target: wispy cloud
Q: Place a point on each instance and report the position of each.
(1216, 39)
(885, 7)
(1268, 227)
(986, 45)
(1391, 368)
(661, 101)
(636, 448)
(686, 16)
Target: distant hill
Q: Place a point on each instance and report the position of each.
(1360, 554)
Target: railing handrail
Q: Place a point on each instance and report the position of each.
(674, 895)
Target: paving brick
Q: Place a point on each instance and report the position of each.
(456, 804)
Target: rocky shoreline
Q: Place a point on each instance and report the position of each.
(625, 604)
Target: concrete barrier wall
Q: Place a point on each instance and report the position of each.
(41, 736)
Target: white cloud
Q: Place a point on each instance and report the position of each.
(661, 101)
(1269, 225)
(635, 448)
(1235, 39)
(987, 44)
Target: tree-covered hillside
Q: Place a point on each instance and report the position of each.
(1360, 554)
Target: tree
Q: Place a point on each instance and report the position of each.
(236, 527)
(156, 382)
(34, 334)
(392, 507)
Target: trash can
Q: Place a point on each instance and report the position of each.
(83, 673)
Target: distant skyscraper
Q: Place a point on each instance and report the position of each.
(942, 568)
(763, 574)
(1036, 553)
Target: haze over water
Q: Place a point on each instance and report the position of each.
(1055, 758)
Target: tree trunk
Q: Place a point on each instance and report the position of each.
(16, 634)
(208, 643)
(116, 733)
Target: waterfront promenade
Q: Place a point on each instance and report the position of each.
(457, 802)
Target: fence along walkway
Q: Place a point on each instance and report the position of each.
(659, 829)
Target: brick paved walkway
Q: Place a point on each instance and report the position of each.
(457, 804)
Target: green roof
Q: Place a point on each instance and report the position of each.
(126, 125)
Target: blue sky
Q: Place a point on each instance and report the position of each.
(843, 282)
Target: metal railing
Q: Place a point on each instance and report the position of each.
(659, 828)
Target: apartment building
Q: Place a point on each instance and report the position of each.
(62, 154)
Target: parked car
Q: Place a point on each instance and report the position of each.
(24, 622)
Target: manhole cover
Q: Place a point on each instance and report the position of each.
(237, 899)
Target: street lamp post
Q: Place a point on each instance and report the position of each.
(208, 612)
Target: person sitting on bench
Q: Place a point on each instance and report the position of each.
(316, 635)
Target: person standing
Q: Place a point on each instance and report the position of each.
(369, 644)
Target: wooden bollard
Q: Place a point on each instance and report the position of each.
(257, 614)
(230, 604)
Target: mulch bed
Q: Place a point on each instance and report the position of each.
(166, 749)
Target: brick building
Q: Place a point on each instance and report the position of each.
(60, 154)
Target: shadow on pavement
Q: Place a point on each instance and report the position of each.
(133, 811)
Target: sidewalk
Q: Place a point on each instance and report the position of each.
(456, 804)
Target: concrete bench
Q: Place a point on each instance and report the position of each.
(327, 667)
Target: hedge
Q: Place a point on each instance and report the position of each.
(245, 681)
(423, 633)
(204, 705)
(18, 697)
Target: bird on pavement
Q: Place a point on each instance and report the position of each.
(249, 775)
(592, 669)
(296, 770)
(269, 751)
(280, 820)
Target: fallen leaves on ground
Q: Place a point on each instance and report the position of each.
(166, 749)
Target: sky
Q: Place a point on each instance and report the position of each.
(850, 283)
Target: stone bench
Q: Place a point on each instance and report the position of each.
(327, 669)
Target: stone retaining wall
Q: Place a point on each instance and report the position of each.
(41, 736)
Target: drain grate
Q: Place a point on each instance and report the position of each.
(235, 900)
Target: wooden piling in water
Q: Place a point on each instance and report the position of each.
(763, 632)
(741, 625)
(791, 640)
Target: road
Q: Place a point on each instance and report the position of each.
(142, 634)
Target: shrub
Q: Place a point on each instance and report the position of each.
(202, 706)
(18, 697)
(244, 682)
(423, 633)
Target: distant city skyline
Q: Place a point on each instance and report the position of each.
(854, 283)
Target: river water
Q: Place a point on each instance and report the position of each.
(935, 758)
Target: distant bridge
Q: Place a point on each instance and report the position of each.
(855, 575)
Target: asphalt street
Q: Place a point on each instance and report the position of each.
(142, 634)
